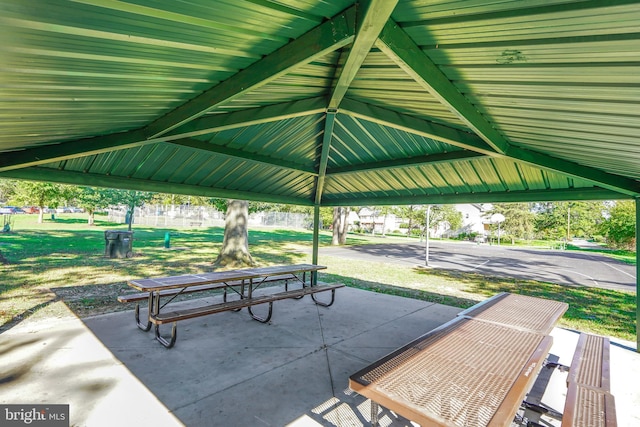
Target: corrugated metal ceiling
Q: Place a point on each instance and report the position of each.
(330, 102)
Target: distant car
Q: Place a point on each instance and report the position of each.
(64, 209)
(31, 209)
(480, 239)
(76, 210)
(11, 210)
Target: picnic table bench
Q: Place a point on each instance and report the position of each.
(589, 400)
(242, 283)
(476, 369)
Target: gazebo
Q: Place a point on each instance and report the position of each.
(323, 103)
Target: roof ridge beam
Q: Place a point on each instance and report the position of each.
(239, 154)
(329, 123)
(398, 46)
(333, 34)
(371, 16)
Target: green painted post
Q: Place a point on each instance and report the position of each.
(316, 241)
(637, 275)
(167, 240)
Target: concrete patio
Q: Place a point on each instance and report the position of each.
(229, 370)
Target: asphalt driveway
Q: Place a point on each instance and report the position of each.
(556, 266)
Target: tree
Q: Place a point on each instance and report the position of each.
(339, 225)
(414, 214)
(519, 219)
(235, 244)
(559, 220)
(446, 215)
(132, 199)
(620, 227)
(92, 199)
(40, 194)
(384, 211)
(584, 218)
(7, 189)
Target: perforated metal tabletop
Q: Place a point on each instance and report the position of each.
(519, 311)
(465, 373)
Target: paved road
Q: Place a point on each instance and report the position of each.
(563, 267)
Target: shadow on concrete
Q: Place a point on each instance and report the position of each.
(228, 369)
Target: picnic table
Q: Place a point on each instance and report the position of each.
(242, 283)
(472, 371)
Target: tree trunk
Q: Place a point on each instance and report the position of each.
(340, 216)
(40, 214)
(343, 225)
(335, 227)
(128, 218)
(91, 220)
(235, 245)
(384, 224)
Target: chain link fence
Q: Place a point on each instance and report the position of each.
(202, 216)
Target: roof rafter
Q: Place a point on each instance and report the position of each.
(401, 49)
(67, 150)
(253, 116)
(472, 142)
(454, 156)
(397, 44)
(415, 125)
(333, 34)
(324, 155)
(617, 183)
(371, 17)
(239, 154)
(79, 178)
(124, 140)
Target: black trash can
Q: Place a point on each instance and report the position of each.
(118, 244)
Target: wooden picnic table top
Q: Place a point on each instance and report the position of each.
(187, 280)
(466, 372)
(519, 311)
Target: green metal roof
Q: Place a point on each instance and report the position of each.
(325, 102)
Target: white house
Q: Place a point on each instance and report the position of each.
(473, 218)
(380, 224)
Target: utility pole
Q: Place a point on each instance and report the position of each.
(426, 246)
(568, 222)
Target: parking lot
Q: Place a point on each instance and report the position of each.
(575, 268)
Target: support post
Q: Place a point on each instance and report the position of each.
(316, 242)
(637, 275)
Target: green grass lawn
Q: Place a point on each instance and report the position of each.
(62, 261)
